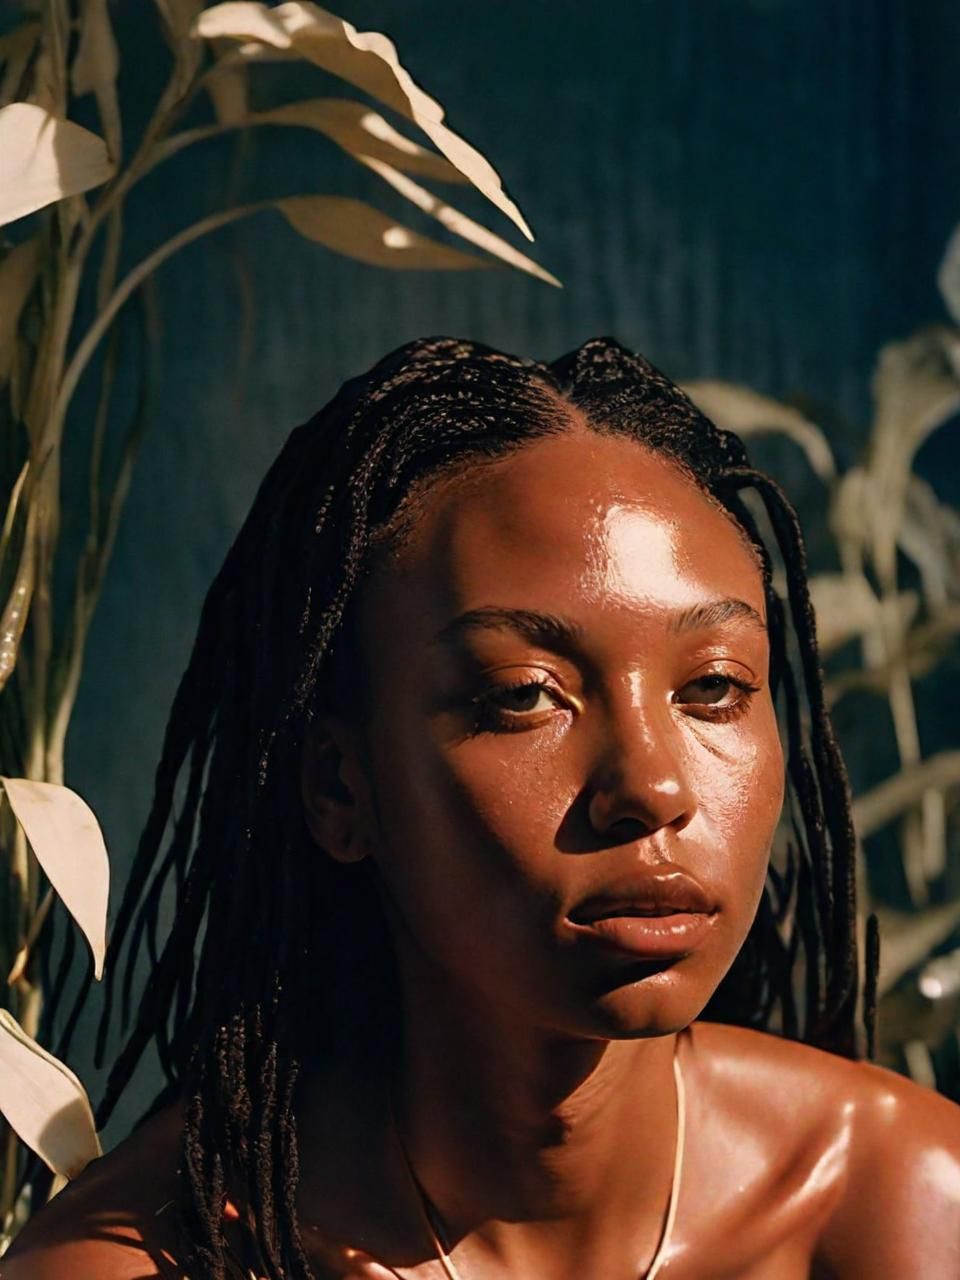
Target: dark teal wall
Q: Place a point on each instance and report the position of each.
(756, 190)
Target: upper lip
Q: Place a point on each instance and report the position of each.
(661, 890)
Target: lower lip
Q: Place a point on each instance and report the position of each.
(652, 936)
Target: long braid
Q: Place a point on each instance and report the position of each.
(252, 944)
(839, 852)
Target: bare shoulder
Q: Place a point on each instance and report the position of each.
(792, 1091)
(889, 1147)
(115, 1221)
(900, 1214)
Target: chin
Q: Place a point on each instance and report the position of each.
(653, 1000)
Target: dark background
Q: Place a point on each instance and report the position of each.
(754, 190)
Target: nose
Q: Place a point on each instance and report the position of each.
(641, 779)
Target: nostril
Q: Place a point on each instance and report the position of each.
(623, 830)
(627, 808)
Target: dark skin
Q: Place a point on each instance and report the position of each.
(536, 1092)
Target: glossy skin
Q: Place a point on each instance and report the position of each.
(536, 1093)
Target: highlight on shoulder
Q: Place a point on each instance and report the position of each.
(116, 1221)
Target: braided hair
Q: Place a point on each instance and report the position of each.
(250, 947)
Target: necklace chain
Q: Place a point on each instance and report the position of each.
(428, 1209)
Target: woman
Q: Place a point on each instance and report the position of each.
(476, 778)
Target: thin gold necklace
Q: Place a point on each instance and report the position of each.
(428, 1210)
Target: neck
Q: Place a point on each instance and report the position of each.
(532, 1140)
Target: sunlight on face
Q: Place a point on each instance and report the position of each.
(568, 682)
(634, 550)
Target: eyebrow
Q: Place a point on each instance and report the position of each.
(563, 635)
(539, 628)
(713, 613)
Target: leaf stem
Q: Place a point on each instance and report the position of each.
(136, 277)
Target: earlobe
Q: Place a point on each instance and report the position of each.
(330, 790)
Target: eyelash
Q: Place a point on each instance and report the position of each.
(488, 717)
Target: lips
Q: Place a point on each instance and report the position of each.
(657, 913)
(663, 890)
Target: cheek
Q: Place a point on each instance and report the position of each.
(741, 797)
(467, 837)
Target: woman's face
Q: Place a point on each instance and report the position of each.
(567, 696)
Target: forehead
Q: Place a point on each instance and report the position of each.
(572, 523)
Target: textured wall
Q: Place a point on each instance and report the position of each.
(756, 190)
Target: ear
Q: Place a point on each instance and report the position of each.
(334, 789)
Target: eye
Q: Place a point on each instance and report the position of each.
(506, 706)
(719, 695)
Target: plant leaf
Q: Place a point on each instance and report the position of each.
(748, 413)
(227, 87)
(948, 277)
(48, 75)
(44, 1102)
(363, 133)
(95, 69)
(366, 59)
(66, 838)
(178, 19)
(179, 16)
(43, 159)
(845, 606)
(893, 796)
(930, 535)
(18, 274)
(849, 517)
(359, 231)
(17, 607)
(916, 391)
(926, 645)
(16, 49)
(457, 222)
(909, 937)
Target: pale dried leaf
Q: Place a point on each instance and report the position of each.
(895, 795)
(252, 51)
(48, 80)
(18, 274)
(919, 1063)
(889, 635)
(845, 606)
(930, 535)
(65, 836)
(948, 277)
(359, 231)
(747, 413)
(457, 222)
(850, 517)
(916, 391)
(95, 69)
(17, 606)
(366, 59)
(924, 647)
(178, 19)
(44, 1102)
(13, 506)
(908, 937)
(179, 16)
(16, 49)
(363, 133)
(43, 159)
(915, 388)
(940, 976)
(228, 89)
